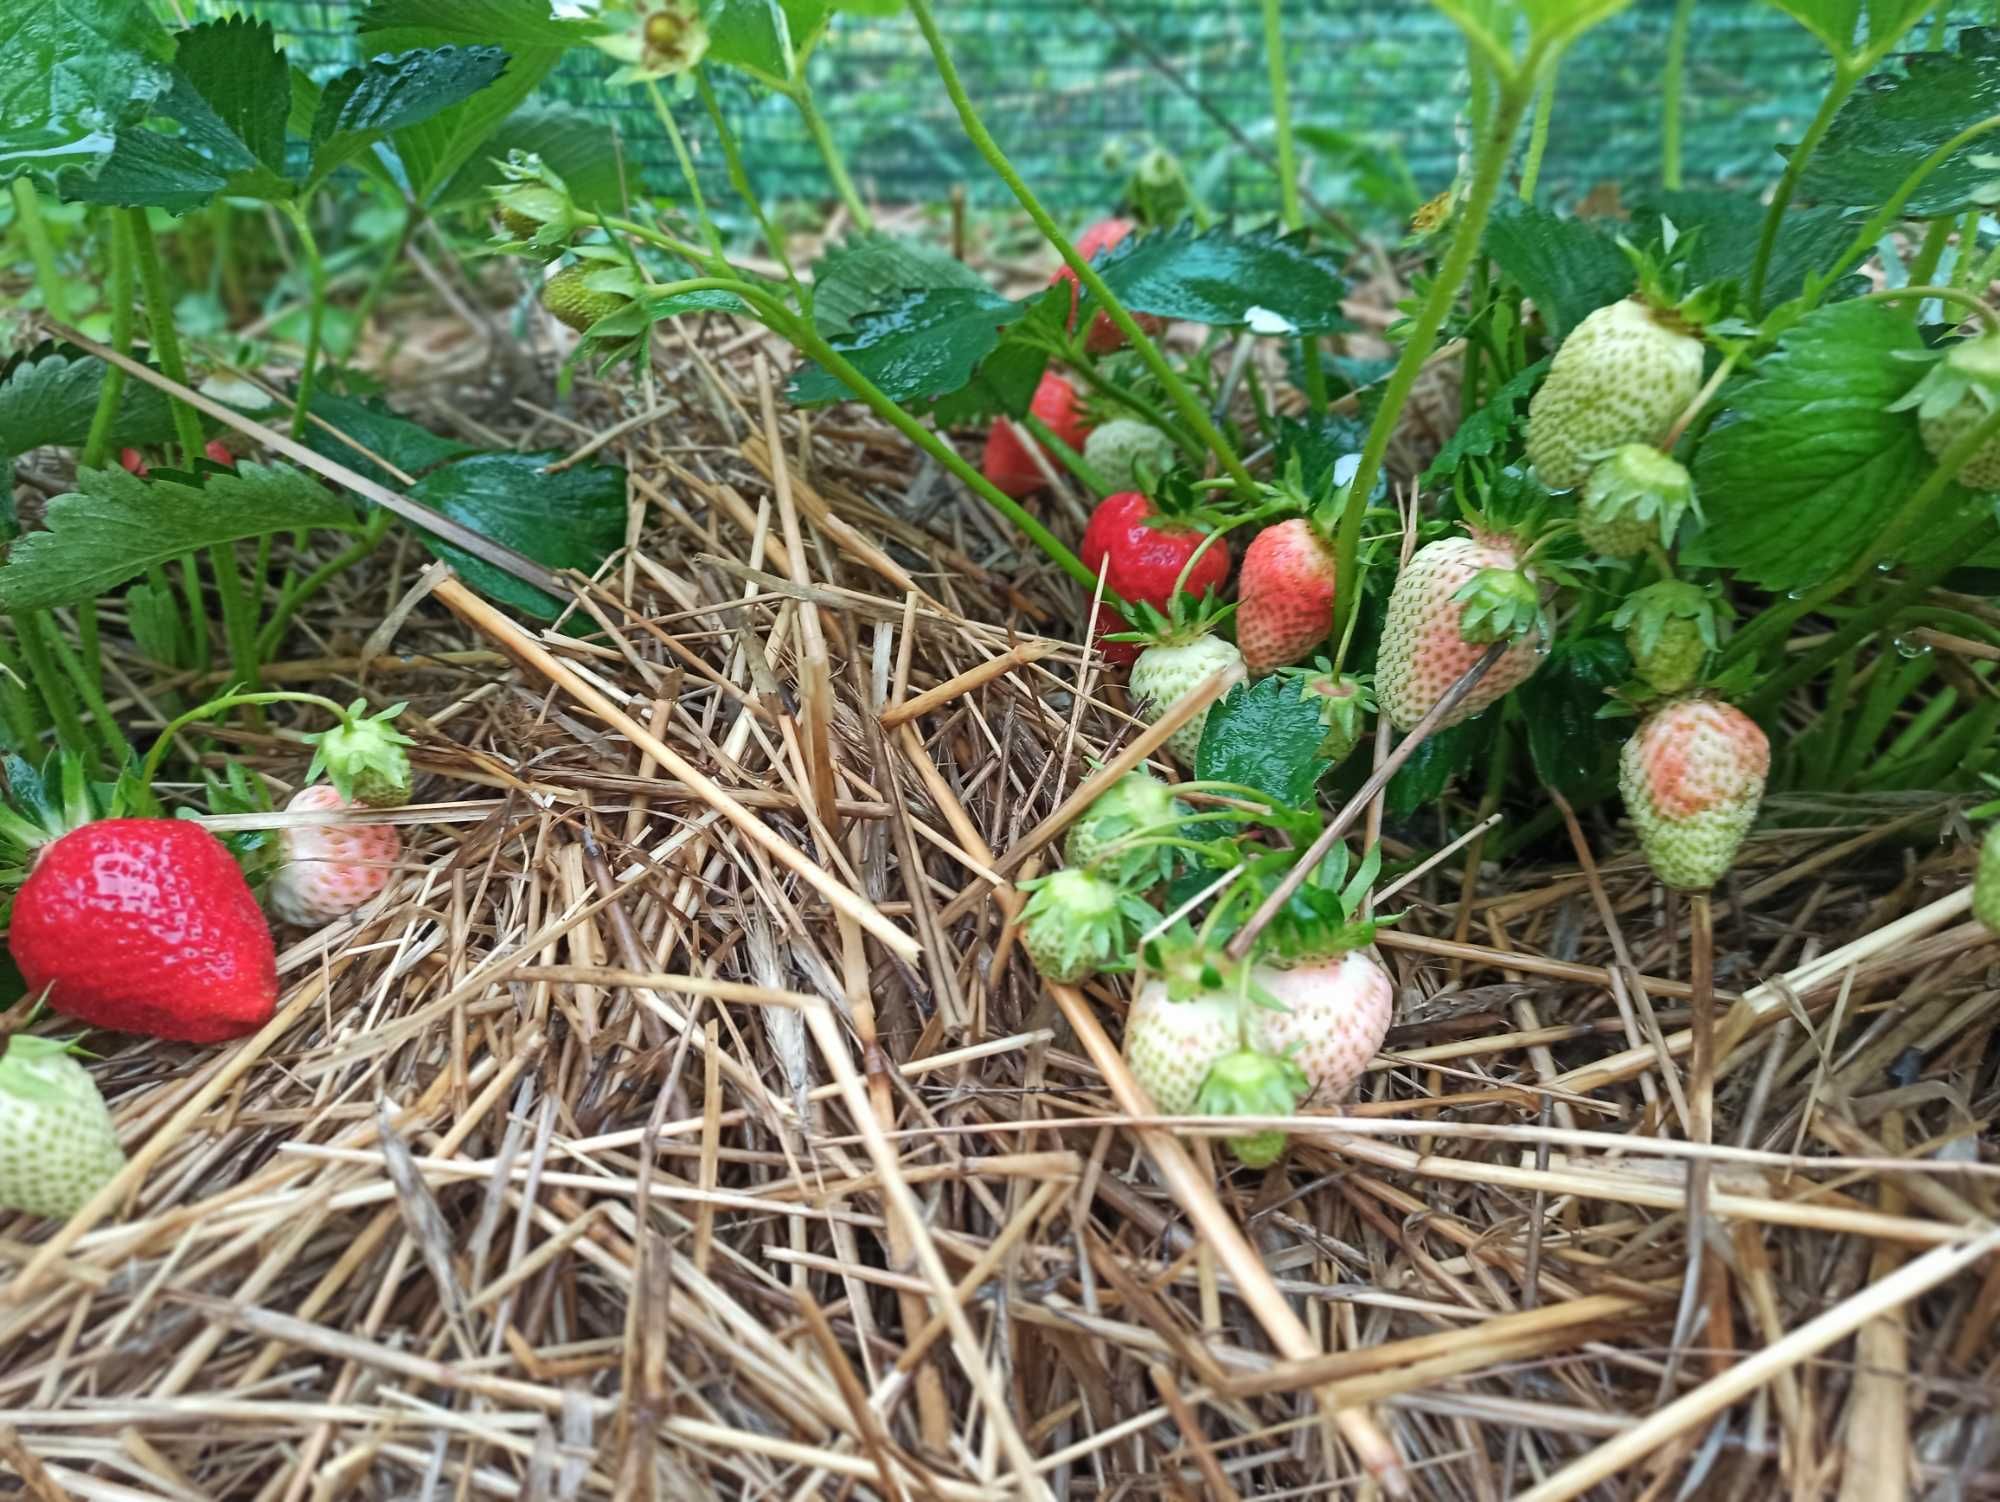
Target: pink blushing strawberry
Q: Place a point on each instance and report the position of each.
(1425, 643)
(1693, 777)
(330, 869)
(1337, 1012)
(1284, 595)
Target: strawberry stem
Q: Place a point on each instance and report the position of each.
(149, 768)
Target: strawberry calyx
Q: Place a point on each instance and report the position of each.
(1647, 613)
(1078, 922)
(363, 757)
(534, 206)
(1971, 367)
(1188, 618)
(1110, 832)
(1345, 700)
(1637, 484)
(47, 802)
(1501, 604)
(1250, 1082)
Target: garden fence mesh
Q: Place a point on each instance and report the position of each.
(1060, 81)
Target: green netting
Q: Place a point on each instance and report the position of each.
(1058, 83)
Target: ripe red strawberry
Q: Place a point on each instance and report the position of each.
(1692, 777)
(1986, 881)
(57, 1144)
(1142, 554)
(133, 461)
(1336, 1014)
(1284, 595)
(1007, 461)
(1453, 586)
(218, 451)
(146, 926)
(1104, 335)
(330, 869)
(1171, 1044)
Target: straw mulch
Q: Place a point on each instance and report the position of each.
(684, 1123)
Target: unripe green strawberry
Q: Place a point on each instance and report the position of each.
(1692, 777)
(567, 297)
(1958, 393)
(1622, 376)
(1077, 923)
(1250, 1082)
(1170, 669)
(1636, 497)
(1136, 803)
(1670, 628)
(57, 1145)
(1284, 595)
(1125, 452)
(1336, 1012)
(1986, 881)
(363, 757)
(1172, 1044)
(1449, 589)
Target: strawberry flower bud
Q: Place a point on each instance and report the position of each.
(363, 758)
(652, 38)
(1250, 1082)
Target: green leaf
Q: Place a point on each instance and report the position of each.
(51, 395)
(520, 25)
(761, 37)
(1488, 430)
(433, 150)
(1275, 283)
(927, 345)
(1265, 735)
(1571, 747)
(1725, 228)
(236, 66)
(1838, 25)
(574, 518)
(1805, 462)
(73, 75)
(115, 526)
(1894, 120)
(872, 270)
(393, 93)
(370, 422)
(569, 141)
(1421, 780)
(1569, 267)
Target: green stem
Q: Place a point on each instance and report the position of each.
(297, 592)
(1281, 112)
(97, 444)
(385, 273)
(41, 250)
(315, 315)
(17, 705)
(1866, 623)
(739, 179)
(1837, 91)
(82, 675)
(1870, 234)
(1964, 299)
(239, 621)
(1670, 95)
(197, 609)
(1489, 168)
(32, 630)
(1924, 267)
(166, 342)
(1070, 459)
(801, 94)
(1103, 386)
(1538, 136)
(1191, 410)
(719, 262)
(150, 768)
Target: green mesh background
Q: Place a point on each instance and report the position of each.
(1058, 82)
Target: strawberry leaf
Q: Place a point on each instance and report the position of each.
(370, 422)
(1572, 748)
(1797, 474)
(1265, 735)
(1894, 120)
(1270, 282)
(73, 78)
(50, 396)
(115, 526)
(929, 344)
(866, 272)
(1719, 233)
(1568, 267)
(393, 93)
(1422, 779)
(1486, 431)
